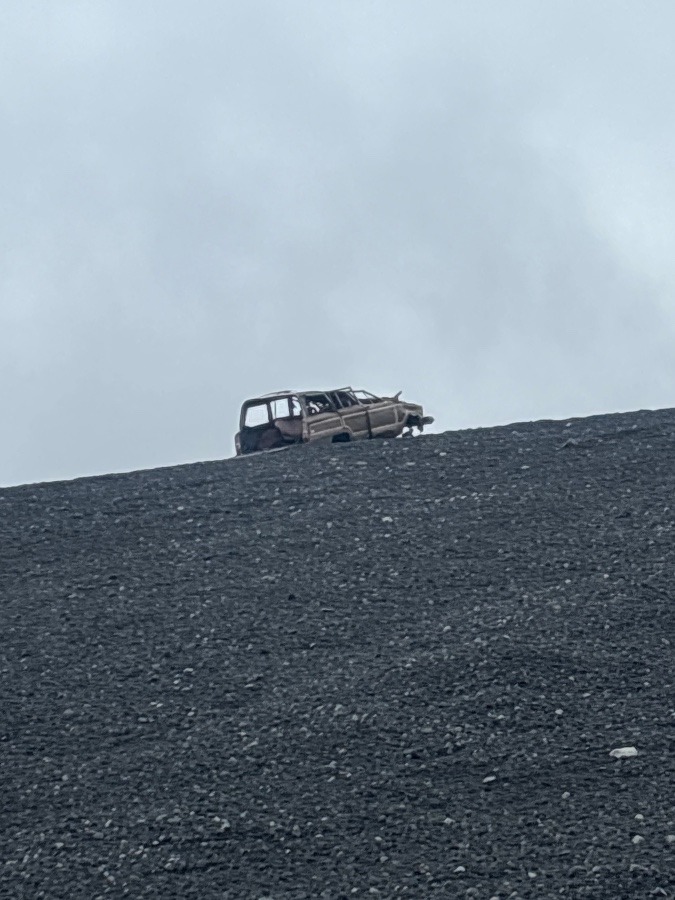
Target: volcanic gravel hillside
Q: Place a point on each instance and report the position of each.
(383, 669)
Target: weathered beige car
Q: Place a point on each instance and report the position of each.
(301, 417)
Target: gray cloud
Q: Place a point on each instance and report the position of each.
(470, 201)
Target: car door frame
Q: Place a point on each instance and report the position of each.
(354, 416)
(382, 415)
(323, 425)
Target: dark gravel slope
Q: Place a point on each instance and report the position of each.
(387, 669)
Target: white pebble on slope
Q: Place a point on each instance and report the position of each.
(623, 752)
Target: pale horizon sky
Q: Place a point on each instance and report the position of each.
(472, 202)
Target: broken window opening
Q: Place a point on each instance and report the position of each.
(365, 397)
(344, 399)
(317, 403)
(280, 408)
(256, 415)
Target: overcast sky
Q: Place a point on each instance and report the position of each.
(470, 201)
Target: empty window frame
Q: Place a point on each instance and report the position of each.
(280, 408)
(317, 403)
(365, 397)
(257, 414)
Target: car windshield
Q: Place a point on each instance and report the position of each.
(365, 397)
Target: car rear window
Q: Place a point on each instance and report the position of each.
(257, 414)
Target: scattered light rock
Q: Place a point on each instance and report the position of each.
(262, 685)
(623, 752)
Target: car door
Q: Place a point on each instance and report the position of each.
(381, 413)
(354, 415)
(323, 420)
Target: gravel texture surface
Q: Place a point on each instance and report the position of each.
(377, 670)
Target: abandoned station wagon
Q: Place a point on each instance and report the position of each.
(290, 417)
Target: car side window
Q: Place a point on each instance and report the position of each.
(296, 409)
(347, 399)
(317, 403)
(279, 408)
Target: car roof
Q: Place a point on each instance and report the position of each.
(295, 394)
(275, 394)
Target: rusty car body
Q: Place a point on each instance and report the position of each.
(278, 420)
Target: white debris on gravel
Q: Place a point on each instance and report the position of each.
(623, 752)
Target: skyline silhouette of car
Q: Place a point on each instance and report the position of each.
(281, 419)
